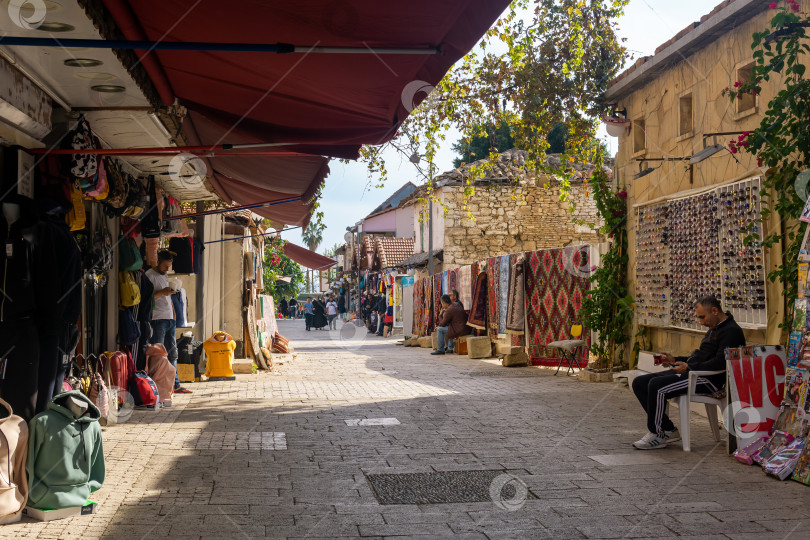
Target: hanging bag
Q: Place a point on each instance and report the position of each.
(150, 221)
(76, 218)
(144, 390)
(83, 167)
(118, 186)
(13, 481)
(129, 256)
(130, 293)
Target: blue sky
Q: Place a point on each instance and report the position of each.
(350, 195)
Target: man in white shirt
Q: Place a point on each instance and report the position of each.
(163, 319)
(331, 313)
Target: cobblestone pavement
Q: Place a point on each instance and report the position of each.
(287, 454)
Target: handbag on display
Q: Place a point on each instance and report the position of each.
(83, 167)
(118, 186)
(76, 217)
(130, 293)
(150, 220)
(13, 481)
(129, 256)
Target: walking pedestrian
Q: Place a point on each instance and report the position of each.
(293, 308)
(283, 308)
(331, 313)
(308, 313)
(341, 305)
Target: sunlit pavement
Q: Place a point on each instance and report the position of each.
(295, 453)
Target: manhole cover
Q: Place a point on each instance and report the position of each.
(445, 487)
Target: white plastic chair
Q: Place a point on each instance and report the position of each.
(693, 397)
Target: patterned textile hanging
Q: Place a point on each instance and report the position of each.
(479, 304)
(515, 303)
(493, 282)
(556, 282)
(465, 286)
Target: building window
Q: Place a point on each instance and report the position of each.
(685, 115)
(639, 135)
(747, 101)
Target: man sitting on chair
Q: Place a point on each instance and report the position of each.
(655, 389)
(452, 324)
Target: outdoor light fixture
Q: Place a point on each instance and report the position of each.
(108, 88)
(707, 152)
(55, 27)
(643, 172)
(82, 62)
(616, 123)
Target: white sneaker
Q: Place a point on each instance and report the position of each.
(672, 436)
(653, 443)
(645, 439)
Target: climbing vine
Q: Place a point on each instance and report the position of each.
(544, 62)
(782, 141)
(608, 308)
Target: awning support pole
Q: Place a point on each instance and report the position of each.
(277, 48)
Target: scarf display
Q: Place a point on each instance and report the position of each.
(445, 283)
(515, 307)
(555, 284)
(418, 308)
(478, 306)
(452, 281)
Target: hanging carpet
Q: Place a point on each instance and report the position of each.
(503, 291)
(556, 281)
(437, 300)
(419, 308)
(465, 286)
(480, 300)
(515, 306)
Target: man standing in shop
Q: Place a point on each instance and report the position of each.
(382, 307)
(655, 389)
(308, 313)
(163, 321)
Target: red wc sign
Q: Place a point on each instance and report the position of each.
(756, 384)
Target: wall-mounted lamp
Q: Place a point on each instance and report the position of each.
(645, 171)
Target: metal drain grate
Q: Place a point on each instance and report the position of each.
(510, 373)
(436, 488)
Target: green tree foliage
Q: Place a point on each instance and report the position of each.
(276, 265)
(530, 72)
(313, 234)
(782, 140)
(498, 139)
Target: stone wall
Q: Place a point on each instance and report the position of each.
(510, 218)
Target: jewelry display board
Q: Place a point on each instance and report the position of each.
(700, 245)
(652, 265)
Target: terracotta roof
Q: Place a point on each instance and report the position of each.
(393, 250)
(421, 258)
(693, 37)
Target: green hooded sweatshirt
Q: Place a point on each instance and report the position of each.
(65, 455)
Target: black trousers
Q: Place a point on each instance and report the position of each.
(654, 389)
(19, 345)
(55, 351)
(308, 318)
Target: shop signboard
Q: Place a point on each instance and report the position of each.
(756, 378)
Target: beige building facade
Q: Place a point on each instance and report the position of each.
(674, 102)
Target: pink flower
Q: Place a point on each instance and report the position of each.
(773, 5)
(794, 7)
(745, 134)
(737, 84)
(733, 149)
(759, 162)
(622, 194)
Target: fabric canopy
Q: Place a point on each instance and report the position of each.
(326, 104)
(307, 258)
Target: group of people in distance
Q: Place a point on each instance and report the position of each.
(378, 315)
(318, 313)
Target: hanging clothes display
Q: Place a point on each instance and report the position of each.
(554, 294)
(445, 284)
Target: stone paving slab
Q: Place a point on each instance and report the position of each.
(271, 455)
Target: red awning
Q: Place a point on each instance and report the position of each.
(307, 258)
(328, 104)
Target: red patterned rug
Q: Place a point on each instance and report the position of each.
(556, 283)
